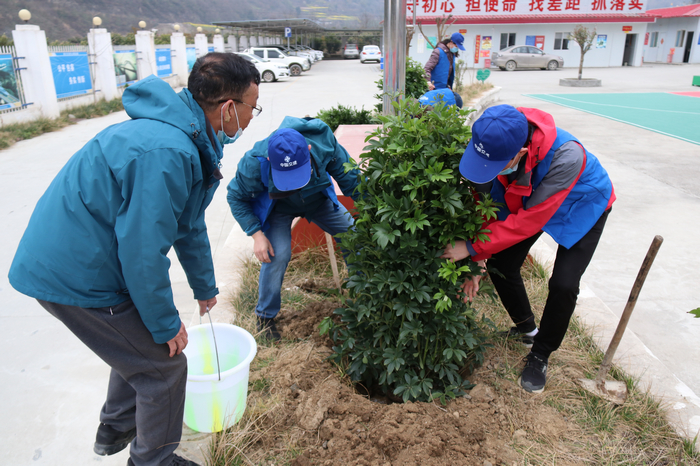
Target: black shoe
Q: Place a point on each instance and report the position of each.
(269, 328)
(110, 441)
(515, 334)
(534, 375)
(180, 461)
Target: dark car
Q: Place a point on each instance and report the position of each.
(525, 56)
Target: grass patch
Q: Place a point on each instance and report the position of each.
(10, 134)
(471, 91)
(635, 433)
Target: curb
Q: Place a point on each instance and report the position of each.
(680, 403)
(481, 103)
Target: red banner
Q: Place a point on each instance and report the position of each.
(476, 49)
(627, 28)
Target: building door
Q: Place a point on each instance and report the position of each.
(661, 50)
(628, 54)
(688, 45)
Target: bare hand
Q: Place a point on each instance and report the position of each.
(262, 248)
(206, 305)
(471, 287)
(431, 86)
(456, 253)
(179, 342)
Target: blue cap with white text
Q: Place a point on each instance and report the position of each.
(290, 159)
(497, 136)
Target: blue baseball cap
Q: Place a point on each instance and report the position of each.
(497, 137)
(436, 96)
(290, 159)
(458, 40)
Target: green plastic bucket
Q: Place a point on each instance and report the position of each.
(212, 405)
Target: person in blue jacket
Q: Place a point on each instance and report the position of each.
(285, 176)
(95, 251)
(440, 67)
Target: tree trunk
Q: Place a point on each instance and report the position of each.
(580, 68)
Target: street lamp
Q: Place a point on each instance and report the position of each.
(217, 30)
(176, 27)
(199, 29)
(97, 21)
(142, 24)
(25, 15)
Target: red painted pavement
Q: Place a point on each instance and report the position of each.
(688, 94)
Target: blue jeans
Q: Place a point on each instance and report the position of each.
(279, 235)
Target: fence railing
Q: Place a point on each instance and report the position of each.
(11, 91)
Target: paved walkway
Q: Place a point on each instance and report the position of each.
(53, 387)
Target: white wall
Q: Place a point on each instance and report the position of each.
(667, 29)
(611, 55)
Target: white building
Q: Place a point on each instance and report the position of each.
(675, 36)
(492, 25)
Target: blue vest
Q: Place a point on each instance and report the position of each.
(263, 205)
(441, 73)
(584, 205)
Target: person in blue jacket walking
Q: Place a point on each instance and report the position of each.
(95, 251)
(440, 68)
(285, 176)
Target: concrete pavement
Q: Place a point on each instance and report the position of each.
(54, 387)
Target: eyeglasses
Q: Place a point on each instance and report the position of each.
(257, 110)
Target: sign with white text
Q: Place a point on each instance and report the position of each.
(164, 62)
(71, 73)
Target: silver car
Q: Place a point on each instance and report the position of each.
(525, 56)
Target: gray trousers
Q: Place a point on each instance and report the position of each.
(146, 386)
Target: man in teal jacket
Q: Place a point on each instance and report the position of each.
(285, 176)
(95, 251)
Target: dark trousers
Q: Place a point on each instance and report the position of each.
(569, 266)
(146, 387)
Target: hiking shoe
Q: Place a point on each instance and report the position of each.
(534, 374)
(180, 461)
(110, 441)
(514, 333)
(268, 327)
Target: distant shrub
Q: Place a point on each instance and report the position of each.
(335, 117)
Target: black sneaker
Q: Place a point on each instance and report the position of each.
(515, 334)
(110, 441)
(534, 374)
(180, 461)
(269, 328)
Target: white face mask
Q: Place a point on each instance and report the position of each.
(221, 134)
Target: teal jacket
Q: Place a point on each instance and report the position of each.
(101, 232)
(248, 192)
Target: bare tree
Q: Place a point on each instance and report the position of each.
(443, 24)
(584, 38)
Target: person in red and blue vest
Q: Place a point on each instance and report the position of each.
(285, 176)
(440, 68)
(547, 182)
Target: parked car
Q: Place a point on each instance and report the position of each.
(291, 52)
(351, 51)
(296, 64)
(268, 71)
(318, 53)
(525, 56)
(370, 53)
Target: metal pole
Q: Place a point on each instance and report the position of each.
(394, 52)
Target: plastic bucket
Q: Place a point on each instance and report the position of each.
(212, 405)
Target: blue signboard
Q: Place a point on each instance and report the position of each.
(287, 32)
(71, 73)
(530, 40)
(9, 97)
(164, 63)
(210, 49)
(191, 57)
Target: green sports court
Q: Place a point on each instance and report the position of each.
(673, 114)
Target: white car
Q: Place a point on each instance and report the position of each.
(268, 71)
(296, 64)
(370, 53)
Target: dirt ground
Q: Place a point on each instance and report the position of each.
(329, 423)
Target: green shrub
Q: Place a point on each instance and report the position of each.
(416, 84)
(403, 328)
(334, 117)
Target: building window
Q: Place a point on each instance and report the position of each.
(507, 39)
(561, 40)
(680, 35)
(654, 39)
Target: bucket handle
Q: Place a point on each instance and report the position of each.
(216, 349)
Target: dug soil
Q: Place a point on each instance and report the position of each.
(325, 421)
